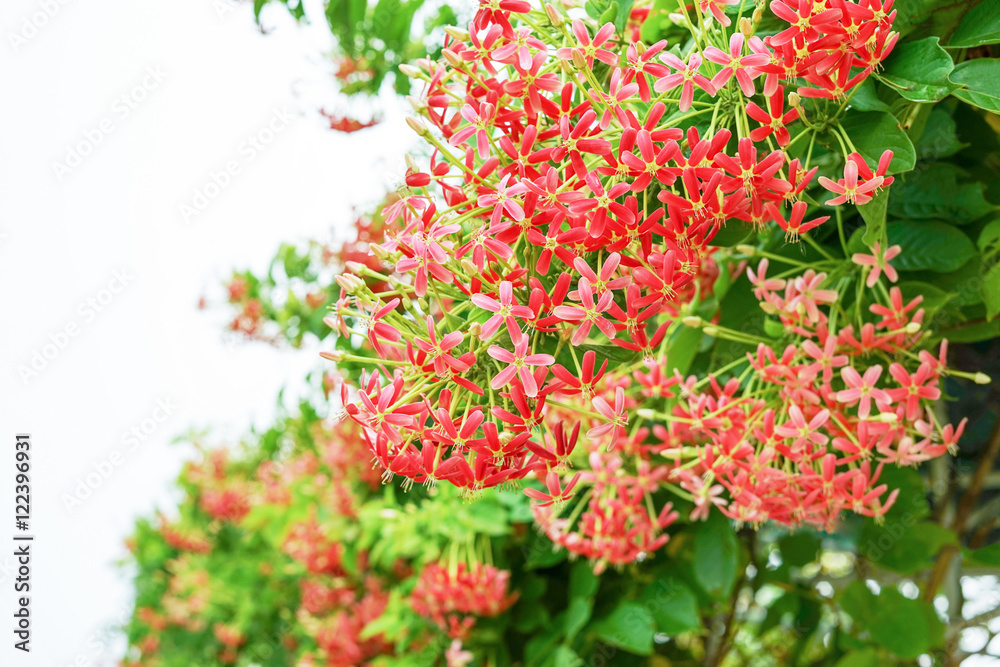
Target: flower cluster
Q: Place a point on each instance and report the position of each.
(565, 219)
(453, 596)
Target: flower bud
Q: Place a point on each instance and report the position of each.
(748, 250)
(469, 268)
(553, 15)
(913, 327)
(334, 356)
(409, 71)
(355, 267)
(982, 378)
(794, 100)
(746, 27)
(757, 16)
(711, 331)
(475, 329)
(453, 58)
(350, 284)
(692, 321)
(645, 413)
(579, 61)
(417, 126)
(458, 34)
(887, 417)
(417, 103)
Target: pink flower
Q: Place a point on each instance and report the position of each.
(803, 432)
(479, 123)
(879, 262)
(502, 201)
(862, 390)
(506, 310)
(617, 417)
(589, 313)
(590, 49)
(848, 188)
(438, 352)
(686, 75)
(734, 64)
(913, 387)
(519, 364)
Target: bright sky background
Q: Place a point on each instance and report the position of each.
(63, 240)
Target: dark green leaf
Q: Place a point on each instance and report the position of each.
(629, 626)
(866, 98)
(799, 548)
(903, 545)
(940, 136)
(919, 71)
(873, 214)
(991, 292)
(715, 556)
(935, 193)
(873, 132)
(981, 78)
(978, 27)
(673, 606)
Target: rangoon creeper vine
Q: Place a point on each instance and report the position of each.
(565, 219)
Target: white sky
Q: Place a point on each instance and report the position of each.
(62, 240)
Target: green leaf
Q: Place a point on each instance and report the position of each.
(682, 348)
(903, 545)
(799, 548)
(873, 132)
(984, 556)
(991, 292)
(981, 78)
(981, 25)
(905, 627)
(989, 238)
(866, 97)
(673, 606)
(578, 612)
(866, 657)
(715, 556)
(583, 583)
(629, 627)
(873, 214)
(929, 246)
(734, 233)
(935, 193)
(919, 71)
(940, 136)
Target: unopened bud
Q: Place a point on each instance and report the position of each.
(887, 417)
(553, 15)
(475, 329)
(645, 413)
(579, 61)
(355, 267)
(746, 27)
(913, 327)
(640, 48)
(469, 268)
(711, 331)
(379, 251)
(679, 19)
(418, 104)
(416, 126)
(409, 71)
(748, 250)
(334, 356)
(794, 100)
(458, 34)
(453, 58)
(349, 283)
(411, 163)
(982, 378)
(757, 16)
(692, 321)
